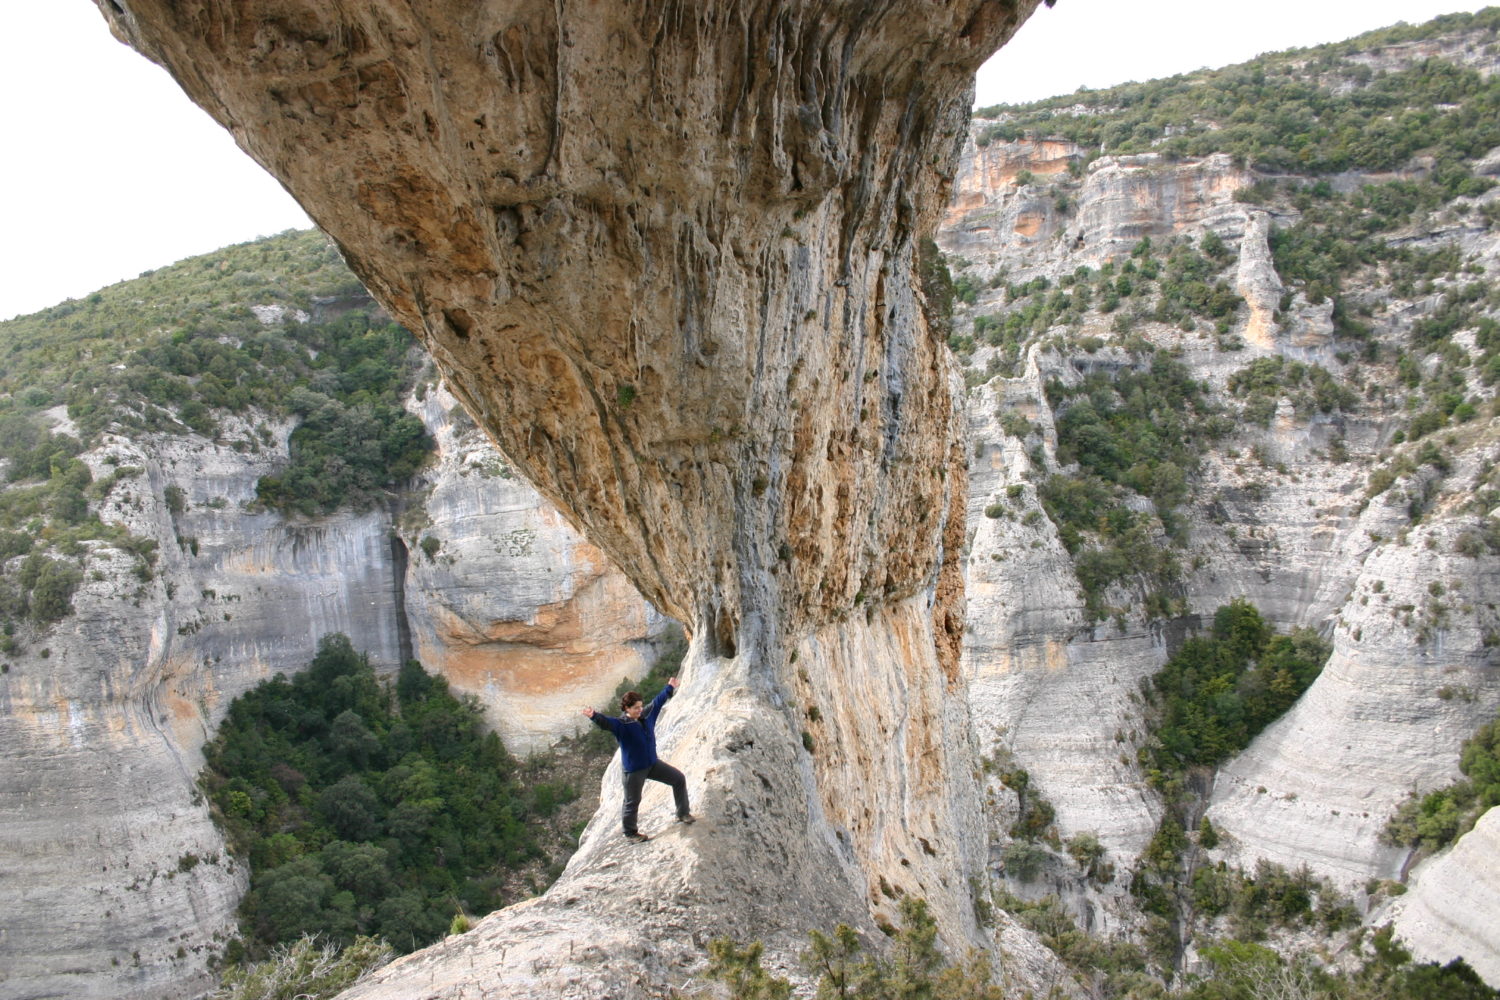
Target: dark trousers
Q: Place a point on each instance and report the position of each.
(636, 780)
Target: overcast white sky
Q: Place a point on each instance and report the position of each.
(112, 171)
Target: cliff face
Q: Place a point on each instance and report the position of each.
(1279, 515)
(105, 716)
(513, 605)
(1449, 912)
(667, 258)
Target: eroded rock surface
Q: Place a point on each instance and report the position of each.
(668, 258)
(511, 604)
(1449, 913)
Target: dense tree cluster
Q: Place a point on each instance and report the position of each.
(364, 810)
(1129, 431)
(1313, 389)
(1206, 703)
(1219, 690)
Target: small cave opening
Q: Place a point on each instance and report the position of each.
(724, 633)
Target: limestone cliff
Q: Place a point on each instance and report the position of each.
(512, 605)
(106, 713)
(1449, 913)
(693, 321)
(1286, 515)
(667, 257)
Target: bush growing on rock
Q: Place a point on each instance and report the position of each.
(305, 969)
(1435, 820)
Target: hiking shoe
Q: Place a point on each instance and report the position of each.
(687, 818)
(637, 838)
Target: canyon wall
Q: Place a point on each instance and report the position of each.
(121, 885)
(1279, 516)
(695, 320)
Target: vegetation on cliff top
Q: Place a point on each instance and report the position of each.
(278, 329)
(181, 350)
(1309, 111)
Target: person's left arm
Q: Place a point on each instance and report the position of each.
(663, 696)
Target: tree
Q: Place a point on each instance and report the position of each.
(833, 959)
(363, 869)
(289, 901)
(52, 591)
(351, 808)
(352, 740)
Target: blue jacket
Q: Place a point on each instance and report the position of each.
(637, 738)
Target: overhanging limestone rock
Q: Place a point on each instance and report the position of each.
(667, 255)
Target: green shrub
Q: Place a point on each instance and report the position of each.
(741, 972)
(1438, 818)
(1024, 859)
(1218, 691)
(1089, 855)
(1140, 431)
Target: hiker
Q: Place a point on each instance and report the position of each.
(636, 733)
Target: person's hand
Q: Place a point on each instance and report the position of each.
(589, 712)
(672, 684)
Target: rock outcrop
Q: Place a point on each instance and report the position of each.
(668, 259)
(1258, 283)
(511, 604)
(1109, 207)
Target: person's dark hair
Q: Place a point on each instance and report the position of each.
(629, 698)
